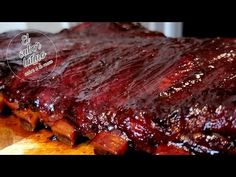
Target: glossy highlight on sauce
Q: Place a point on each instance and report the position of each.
(119, 76)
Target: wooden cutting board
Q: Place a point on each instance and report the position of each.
(15, 140)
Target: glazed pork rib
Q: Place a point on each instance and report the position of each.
(120, 84)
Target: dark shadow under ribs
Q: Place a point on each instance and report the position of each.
(165, 95)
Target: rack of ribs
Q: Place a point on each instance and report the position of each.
(123, 86)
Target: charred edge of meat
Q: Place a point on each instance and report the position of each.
(29, 119)
(65, 131)
(109, 143)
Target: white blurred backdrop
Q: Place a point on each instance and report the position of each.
(170, 29)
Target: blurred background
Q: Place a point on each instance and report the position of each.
(170, 29)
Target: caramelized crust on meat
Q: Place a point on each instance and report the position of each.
(29, 119)
(64, 131)
(121, 76)
(109, 143)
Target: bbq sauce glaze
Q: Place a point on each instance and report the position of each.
(156, 90)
